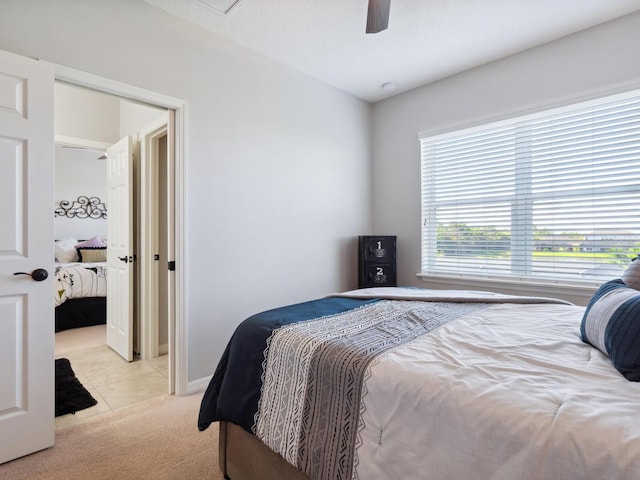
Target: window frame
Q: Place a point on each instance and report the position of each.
(517, 279)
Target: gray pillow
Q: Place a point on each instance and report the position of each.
(631, 276)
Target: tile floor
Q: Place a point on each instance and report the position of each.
(112, 381)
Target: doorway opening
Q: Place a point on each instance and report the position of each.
(154, 315)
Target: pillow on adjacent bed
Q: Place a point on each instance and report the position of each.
(631, 276)
(65, 250)
(94, 242)
(611, 323)
(93, 254)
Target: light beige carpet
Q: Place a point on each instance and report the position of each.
(155, 439)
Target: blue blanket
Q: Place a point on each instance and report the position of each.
(234, 390)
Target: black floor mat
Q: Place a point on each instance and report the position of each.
(71, 396)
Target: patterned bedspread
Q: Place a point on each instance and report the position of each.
(79, 280)
(296, 377)
(313, 377)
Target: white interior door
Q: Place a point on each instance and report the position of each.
(26, 244)
(120, 255)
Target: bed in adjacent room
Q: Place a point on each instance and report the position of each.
(411, 383)
(80, 284)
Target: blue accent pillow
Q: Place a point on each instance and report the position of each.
(611, 323)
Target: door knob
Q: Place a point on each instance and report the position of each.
(39, 274)
(125, 259)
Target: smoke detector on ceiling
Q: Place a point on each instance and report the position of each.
(221, 6)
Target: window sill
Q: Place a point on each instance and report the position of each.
(575, 293)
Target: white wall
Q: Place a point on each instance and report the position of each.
(604, 57)
(134, 117)
(278, 182)
(86, 114)
(72, 164)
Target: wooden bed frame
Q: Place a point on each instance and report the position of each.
(244, 457)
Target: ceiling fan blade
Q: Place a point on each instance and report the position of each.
(378, 15)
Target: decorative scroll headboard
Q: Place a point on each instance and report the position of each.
(83, 207)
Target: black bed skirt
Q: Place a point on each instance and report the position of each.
(81, 312)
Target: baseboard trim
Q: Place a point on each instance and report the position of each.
(198, 385)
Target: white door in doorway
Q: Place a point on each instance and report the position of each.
(26, 245)
(120, 255)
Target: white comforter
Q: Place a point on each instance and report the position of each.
(507, 392)
(79, 280)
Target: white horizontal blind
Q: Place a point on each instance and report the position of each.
(551, 196)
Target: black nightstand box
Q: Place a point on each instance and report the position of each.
(377, 261)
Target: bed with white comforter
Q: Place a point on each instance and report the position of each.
(419, 384)
(80, 290)
(79, 280)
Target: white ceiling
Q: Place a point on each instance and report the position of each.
(426, 40)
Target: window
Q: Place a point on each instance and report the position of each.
(553, 196)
